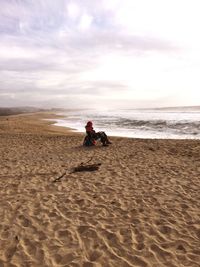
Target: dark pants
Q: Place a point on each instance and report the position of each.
(89, 139)
(102, 136)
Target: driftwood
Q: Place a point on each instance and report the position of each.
(81, 168)
(86, 168)
(60, 177)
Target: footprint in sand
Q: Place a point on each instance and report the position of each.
(165, 229)
(41, 235)
(65, 236)
(24, 221)
(10, 250)
(94, 255)
(64, 259)
(180, 249)
(5, 235)
(161, 253)
(140, 246)
(88, 264)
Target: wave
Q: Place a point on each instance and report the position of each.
(151, 124)
(182, 127)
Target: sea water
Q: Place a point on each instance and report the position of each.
(137, 123)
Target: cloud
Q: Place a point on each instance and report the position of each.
(52, 51)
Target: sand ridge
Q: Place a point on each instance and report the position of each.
(141, 208)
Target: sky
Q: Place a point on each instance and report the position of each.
(99, 53)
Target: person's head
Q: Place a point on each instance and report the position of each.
(89, 123)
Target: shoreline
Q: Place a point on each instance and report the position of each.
(140, 208)
(138, 128)
(115, 135)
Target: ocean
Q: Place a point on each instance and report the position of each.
(174, 123)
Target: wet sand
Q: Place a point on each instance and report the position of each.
(141, 208)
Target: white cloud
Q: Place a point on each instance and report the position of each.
(73, 10)
(173, 20)
(139, 51)
(85, 22)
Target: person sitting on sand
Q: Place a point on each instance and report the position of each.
(92, 135)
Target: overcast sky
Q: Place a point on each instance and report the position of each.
(99, 53)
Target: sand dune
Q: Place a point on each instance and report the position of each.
(141, 208)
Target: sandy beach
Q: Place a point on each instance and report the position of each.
(140, 208)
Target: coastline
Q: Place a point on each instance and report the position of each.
(136, 123)
(141, 208)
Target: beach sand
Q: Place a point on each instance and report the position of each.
(140, 208)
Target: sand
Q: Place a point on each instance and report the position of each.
(141, 208)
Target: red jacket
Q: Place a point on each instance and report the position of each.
(89, 130)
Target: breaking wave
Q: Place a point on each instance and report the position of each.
(138, 123)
